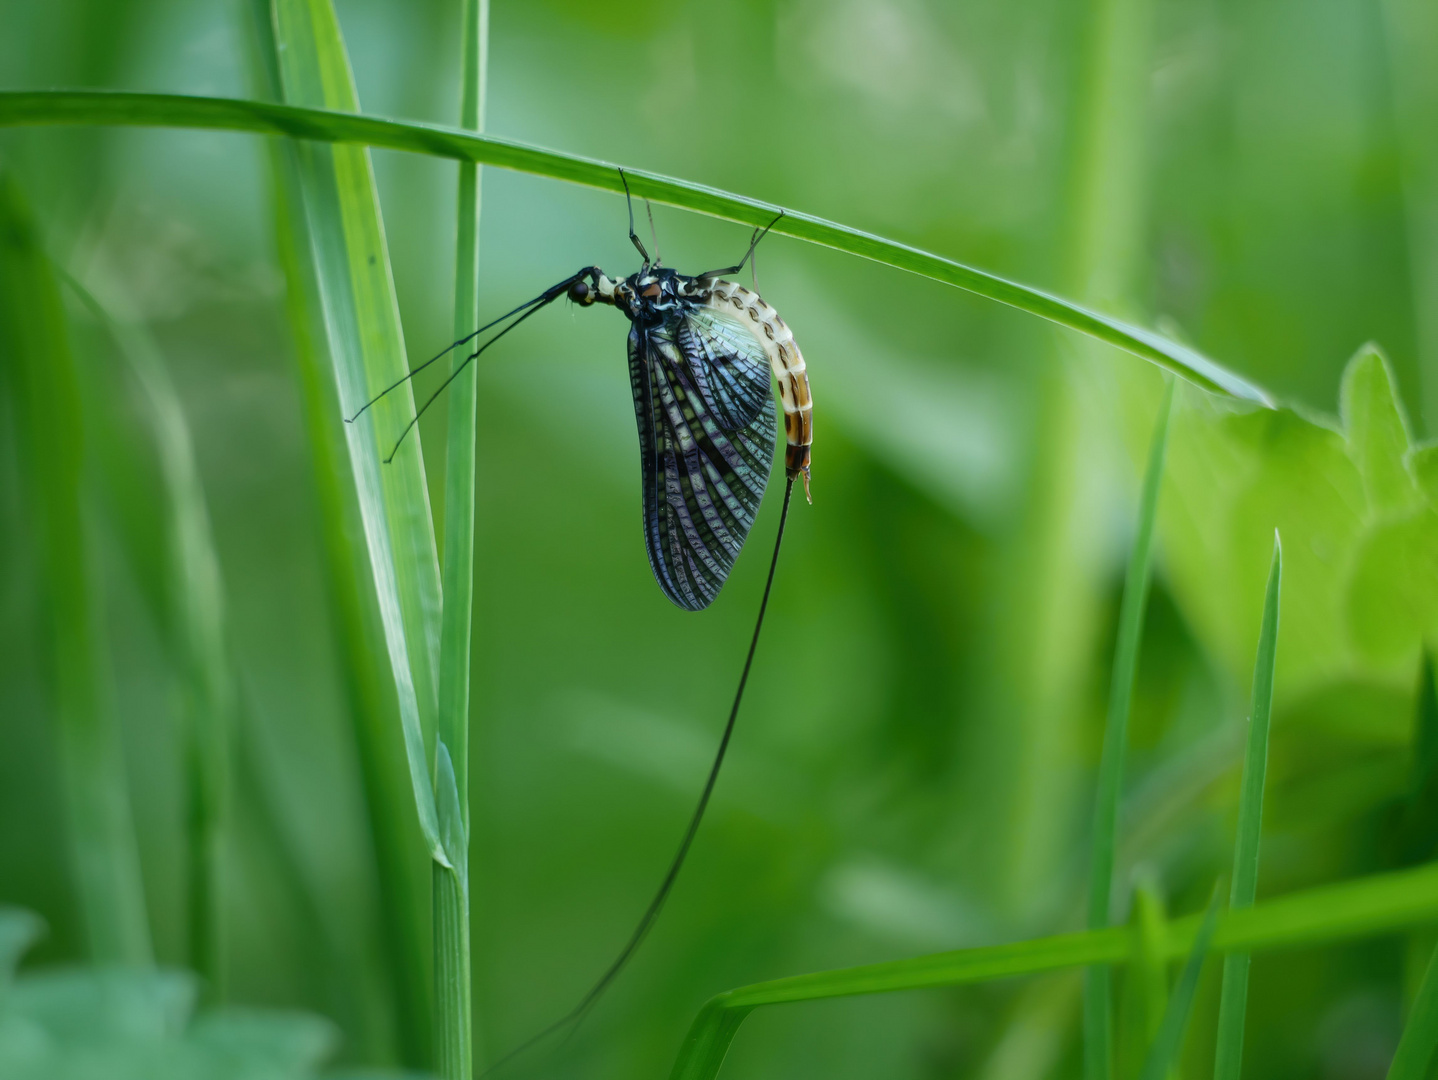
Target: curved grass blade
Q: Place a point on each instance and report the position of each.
(361, 319)
(1233, 1003)
(1380, 904)
(454, 1037)
(1420, 1034)
(1163, 1054)
(74, 107)
(37, 369)
(1097, 980)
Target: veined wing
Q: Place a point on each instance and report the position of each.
(703, 482)
(728, 364)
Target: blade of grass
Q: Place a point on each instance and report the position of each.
(1146, 983)
(36, 362)
(367, 349)
(1379, 904)
(90, 108)
(1098, 991)
(1233, 1002)
(1163, 1054)
(401, 876)
(454, 1037)
(196, 595)
(1420, 1034)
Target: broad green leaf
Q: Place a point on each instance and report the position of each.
(1377, 431)
(1357, 510)
(367, 349)
(74, 107)
(39, 373)
(1233, 1004)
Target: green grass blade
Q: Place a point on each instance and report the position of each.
(39, 370)
(1163, 1054)
(367, 349)
(1150, 967)
(403, 880)
(74, 107)
(198, 622)
(1098, 992)
(1234, 1001)
(454, 1039)
(1420, 1034)
(1379, 904)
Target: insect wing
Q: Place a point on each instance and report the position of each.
(703, 482)
(727, 362)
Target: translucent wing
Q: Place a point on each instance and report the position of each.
(703, 481)
(728, 364)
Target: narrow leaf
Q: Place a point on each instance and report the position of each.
(196, 598)
(367, 348)
(1379, 904)
(403, 880)
(1420, 1034)
(1233, 1003)
(453, 1000)
(1098, 992)
(38, 369)
(76, 107)
(1163, 1054)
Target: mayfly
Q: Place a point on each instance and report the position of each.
(701, 351)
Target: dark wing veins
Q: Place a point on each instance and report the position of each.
(703, 480)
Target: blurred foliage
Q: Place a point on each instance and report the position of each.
(868, 809)
(131, 1023)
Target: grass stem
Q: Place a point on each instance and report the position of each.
(1233, 1001)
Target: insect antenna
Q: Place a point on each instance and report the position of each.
(543, 299)
(646, 922)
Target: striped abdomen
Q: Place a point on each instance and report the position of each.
(787, 363)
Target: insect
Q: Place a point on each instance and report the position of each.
(701, 351)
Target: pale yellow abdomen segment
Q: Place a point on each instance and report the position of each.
(787, 363)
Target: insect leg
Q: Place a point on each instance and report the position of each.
(633, 237)
(759, 234)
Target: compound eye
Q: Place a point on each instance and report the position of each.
(579, 292)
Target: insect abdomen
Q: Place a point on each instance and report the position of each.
(787, 363)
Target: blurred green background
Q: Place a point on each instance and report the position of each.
(913, 767)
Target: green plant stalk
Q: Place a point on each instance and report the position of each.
(1379, 904)
(37, 365)
(197, 622)
(103, 108)
(1420, 1034)
(404, 907)
(454, 1036)
(1151, 922)
(1233, 1002)
(1098, 991)
(1163, 1053)
(1412, 33)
